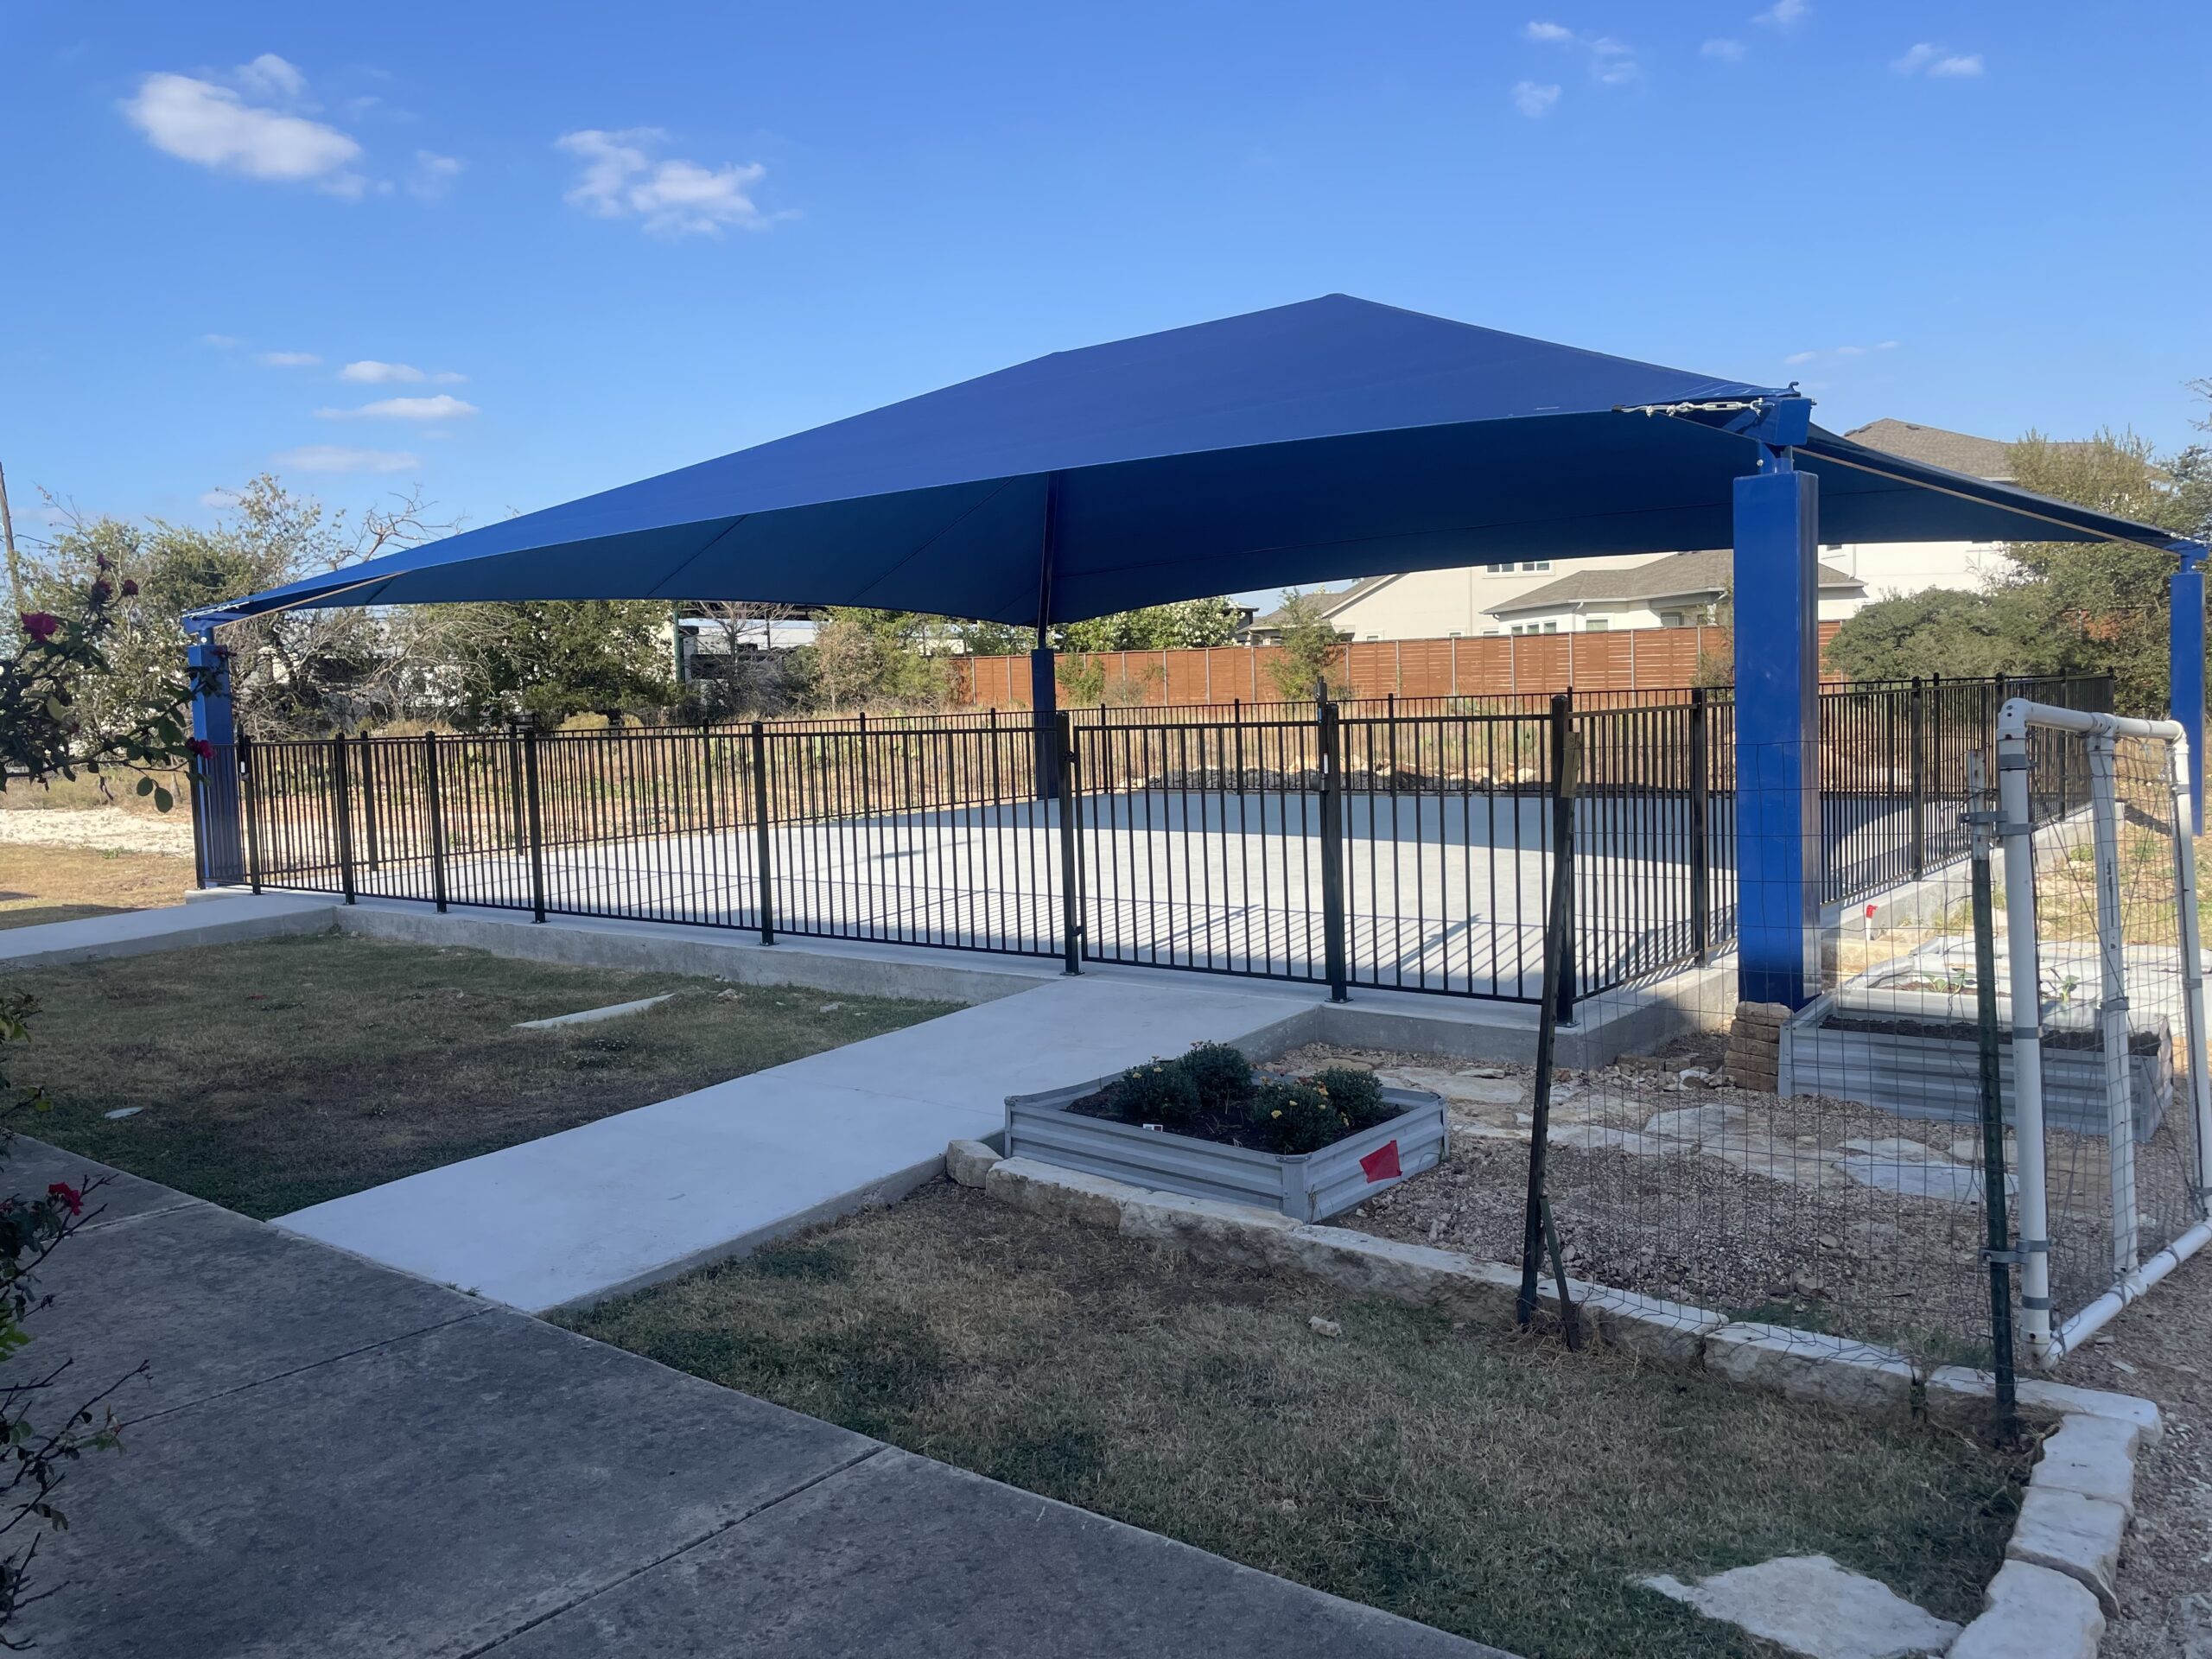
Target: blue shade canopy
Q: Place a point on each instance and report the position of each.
(1335, 437)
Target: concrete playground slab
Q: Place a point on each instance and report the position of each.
(644, 1195)
(333, 1459)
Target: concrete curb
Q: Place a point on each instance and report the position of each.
(2048, 1601)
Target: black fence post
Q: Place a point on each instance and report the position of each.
(252, 813)
(366, 748)
(1539, 1234)
(1700, 828)
(1070, 865)
(1919, 723)
(536, 826)
(434, 801)
(515, 788)
(1561, 989)
(1982, 820)
(765, 876)
(342, 810)
(1330, 738)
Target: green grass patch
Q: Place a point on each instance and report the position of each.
(277, 1074)
(1500, 1488)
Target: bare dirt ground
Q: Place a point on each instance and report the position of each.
(102, 828)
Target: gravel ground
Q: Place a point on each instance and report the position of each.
(106, 828)
(1817, 1212)
(2159, 1349)
(1712, 1225)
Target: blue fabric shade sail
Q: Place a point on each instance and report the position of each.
(1335, 437)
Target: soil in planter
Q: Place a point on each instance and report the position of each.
(1237, 1107)
(1965, 1031)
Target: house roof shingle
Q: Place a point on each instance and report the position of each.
(1681, 575)
(1938, 447)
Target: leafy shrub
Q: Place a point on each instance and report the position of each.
(1222, 1075)
(1161, 1092)
(1357, 1094)
(1295, 1118)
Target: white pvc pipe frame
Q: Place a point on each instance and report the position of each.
(2047, 1346)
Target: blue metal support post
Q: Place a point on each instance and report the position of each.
(1044, 689)
(1778, 728)
(217, 836)
(2186, 684)
(1045, 709)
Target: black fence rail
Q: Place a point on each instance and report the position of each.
(1383, 843)
(1893, 771)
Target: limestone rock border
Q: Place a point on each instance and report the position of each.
(2048, 1601)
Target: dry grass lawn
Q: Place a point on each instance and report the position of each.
(273, 1075)
(61, 883)
(1503, 1489)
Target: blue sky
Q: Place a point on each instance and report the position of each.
(513, 255)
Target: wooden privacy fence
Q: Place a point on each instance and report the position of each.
(1493, 665)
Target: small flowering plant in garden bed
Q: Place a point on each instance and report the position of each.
(1210, 1125)
(1213, 1093)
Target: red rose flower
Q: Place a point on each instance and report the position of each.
(71, 1198)
(40, 624)
(101, 590)
(130, 588)
(202, 748)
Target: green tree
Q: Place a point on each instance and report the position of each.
(293, 672)
(1936, 631)
(994, 638)
(1185, 625)
(547, 659)
(1312, 650)
(863, 658)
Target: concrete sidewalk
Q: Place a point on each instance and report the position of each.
(641, 1196)
(333, 1459)
(169, 927)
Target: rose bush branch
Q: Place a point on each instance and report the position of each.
(48, 729)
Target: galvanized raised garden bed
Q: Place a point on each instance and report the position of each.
(1933, 1073)
(1306, 1186)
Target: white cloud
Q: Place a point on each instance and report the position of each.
(1785, 14)
(1534, 101)
(222, 500)
(338, 458)
(673, 198)
(220, 342)
(1612, 61)
(1726, 51)
(369, 371)
(443, 407)
(198, 121)
(1835, 352)
(448, 377)
(271, 76)
(1938, 61)
(286, 359)
(434, 175)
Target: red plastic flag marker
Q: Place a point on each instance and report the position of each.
(1381, 1164)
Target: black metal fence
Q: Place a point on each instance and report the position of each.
(1383, 843)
